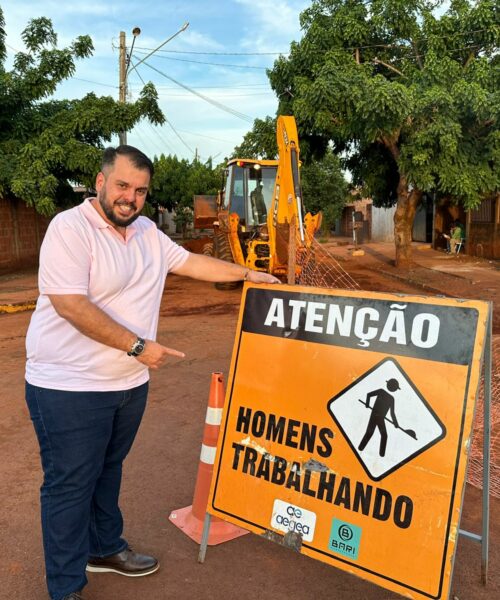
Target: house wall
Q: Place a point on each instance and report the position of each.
(344, 225)
(383, 224)
(21, 233)
(419, 233)
(483, 230)
(482, 226)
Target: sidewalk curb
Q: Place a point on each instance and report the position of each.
(414, 282)
(17, 307)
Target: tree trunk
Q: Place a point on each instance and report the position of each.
(406, 208)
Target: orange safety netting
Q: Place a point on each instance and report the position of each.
(318, 267)
(475, 473)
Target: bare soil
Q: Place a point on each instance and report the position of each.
(161, 469)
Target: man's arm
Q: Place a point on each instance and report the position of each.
(206, 268)
(393, 415)
(369, 396)
(93, 322)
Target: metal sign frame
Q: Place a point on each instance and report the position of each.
(485, 362)
(483, 539)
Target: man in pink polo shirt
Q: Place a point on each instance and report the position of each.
(90, 345)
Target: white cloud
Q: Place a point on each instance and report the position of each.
(273, 24)
(192, 39)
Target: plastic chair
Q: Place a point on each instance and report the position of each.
(458, 247)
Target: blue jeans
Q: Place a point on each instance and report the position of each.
(84, 438)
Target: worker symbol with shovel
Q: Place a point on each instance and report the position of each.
(384, 403)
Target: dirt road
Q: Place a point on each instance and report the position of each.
(160, 474)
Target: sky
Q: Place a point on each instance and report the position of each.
(222, 55)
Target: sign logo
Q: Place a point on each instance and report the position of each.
(385, 419)
(345, 538)
(288, 517)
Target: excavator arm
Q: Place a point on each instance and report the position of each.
(286, 217)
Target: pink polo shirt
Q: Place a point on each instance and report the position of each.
(82, 254)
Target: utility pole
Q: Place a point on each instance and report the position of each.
(123, 80)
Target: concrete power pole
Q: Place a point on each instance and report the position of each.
(123, 80)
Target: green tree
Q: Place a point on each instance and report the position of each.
(45, 144)
(259, 142)
(176, 181)
(325, 188)
(410, 95)
(168, 187)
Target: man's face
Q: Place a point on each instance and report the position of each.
(121, 192)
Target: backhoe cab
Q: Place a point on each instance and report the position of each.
(260, 217)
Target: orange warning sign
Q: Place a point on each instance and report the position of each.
(346, 429)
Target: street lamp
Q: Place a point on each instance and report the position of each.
(135, 32)
(125, 65)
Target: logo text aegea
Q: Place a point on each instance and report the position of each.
(288, 517)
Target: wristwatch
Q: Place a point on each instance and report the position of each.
(137, 347)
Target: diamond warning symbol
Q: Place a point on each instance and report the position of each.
(385, 419)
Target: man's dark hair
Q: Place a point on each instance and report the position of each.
(135, 156)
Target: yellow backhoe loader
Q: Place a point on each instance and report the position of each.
(260, 221)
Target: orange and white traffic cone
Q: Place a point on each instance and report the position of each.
(190, 519)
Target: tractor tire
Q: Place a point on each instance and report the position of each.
(222, 250)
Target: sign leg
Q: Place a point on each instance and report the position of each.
(204, 539)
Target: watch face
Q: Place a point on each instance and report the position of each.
(137, 347)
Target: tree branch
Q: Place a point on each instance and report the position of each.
(391, 144)
(379, 62)
(470, 58)
(417, 55)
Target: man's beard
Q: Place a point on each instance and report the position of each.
(108, 210)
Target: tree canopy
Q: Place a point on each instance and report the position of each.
(46, 144)
(259, 142)
(325, 188)
(176, 181)
(407, 93)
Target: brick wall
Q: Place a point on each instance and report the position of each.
(483, 229)
(484, 240)
(21, 233)
(364, 206)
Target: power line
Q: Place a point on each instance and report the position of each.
(169, 95)
(209, 137)
(215, 87)
(161, 138)
(96, 82)
(135, 131)
(137, 72)
(179, 136)
(199, 62)
(168, 121)
(203, 97)
(462, 33)
(217, 53)
(424, 54)
(12, 48)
